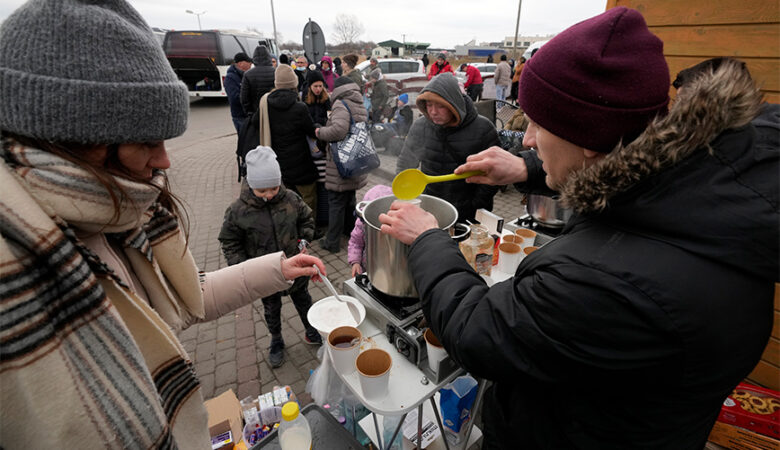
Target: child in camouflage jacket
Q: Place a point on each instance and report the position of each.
(267, 218)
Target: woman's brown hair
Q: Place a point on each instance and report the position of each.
(312, 99)
(74, 152)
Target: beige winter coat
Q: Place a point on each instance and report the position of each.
(337, 128)
(503, 74)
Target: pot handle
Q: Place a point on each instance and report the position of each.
(360, 207)
(462, 235)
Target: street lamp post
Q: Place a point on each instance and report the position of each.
(198, 14)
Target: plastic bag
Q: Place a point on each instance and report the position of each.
(324, 385)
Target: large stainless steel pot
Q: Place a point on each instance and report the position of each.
(386, 256)
(548, 211)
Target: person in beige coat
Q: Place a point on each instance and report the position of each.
(503, 78)
(346, 101)
(96, 276)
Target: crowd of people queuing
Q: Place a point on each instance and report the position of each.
(607, 337)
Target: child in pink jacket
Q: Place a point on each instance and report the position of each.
(356, 255)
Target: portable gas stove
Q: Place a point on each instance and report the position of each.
(400, 318)
(543, 234)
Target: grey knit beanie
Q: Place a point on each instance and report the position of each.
(285, 78)
(87, 72)
(262, 169)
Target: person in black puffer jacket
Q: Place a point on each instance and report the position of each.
(440, 145)
(257, 81)
(629, 330)
(317, 102)
(290, 124)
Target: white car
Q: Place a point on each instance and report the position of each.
(395, 68)
(485, 69)
(401, 74)
(532, 48)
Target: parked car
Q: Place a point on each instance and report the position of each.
(532, 48)
(485, 69)
(401, 74)
(395, 68)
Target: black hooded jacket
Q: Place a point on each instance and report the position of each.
(257, 81)
(440, 149)
(631, 328)
(290, 124)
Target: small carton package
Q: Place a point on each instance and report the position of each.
(456, 401)
(753, 408)
(224, 417)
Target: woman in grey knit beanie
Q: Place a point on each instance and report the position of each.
(96, 276)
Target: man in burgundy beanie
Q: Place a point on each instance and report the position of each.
(631, 327)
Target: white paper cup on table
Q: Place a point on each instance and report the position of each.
(513, 238)
(509, 257)
(528, 236)
(373, 366)
(528, 250)
(344, 347)
(436, 352)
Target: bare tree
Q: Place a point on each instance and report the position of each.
(347, 28)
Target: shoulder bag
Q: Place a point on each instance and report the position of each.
(355, 154)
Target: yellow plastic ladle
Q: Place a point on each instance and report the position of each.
(411, 183)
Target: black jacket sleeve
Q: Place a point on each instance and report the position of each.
(535, 184)
(246, 96)
(409, 157)
(555, 324)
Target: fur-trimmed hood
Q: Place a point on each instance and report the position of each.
(703, 178)
(709, 105)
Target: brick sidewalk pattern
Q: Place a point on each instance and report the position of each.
(231, 352)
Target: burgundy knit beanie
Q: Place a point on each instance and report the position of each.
(598, 82)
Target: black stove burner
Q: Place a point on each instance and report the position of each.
(530, 223)
(400, 307)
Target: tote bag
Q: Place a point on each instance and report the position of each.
(355, 154)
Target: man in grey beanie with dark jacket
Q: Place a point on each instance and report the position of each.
(257, 81)
(449, 131)
(630, 328)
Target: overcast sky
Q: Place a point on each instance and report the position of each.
(442, 24)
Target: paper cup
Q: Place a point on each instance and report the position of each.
(344, 346)
(513, 238)
(509, 257)
(528, 236)
(373, 366)
(529, 250)
(436, 352)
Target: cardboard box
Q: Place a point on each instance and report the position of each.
(225, 415)
(740, 439)
(753, 408)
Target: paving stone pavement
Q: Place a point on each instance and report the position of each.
(231, 352)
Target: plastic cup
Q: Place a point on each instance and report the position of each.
(436, 352)
(344, 346)
(373, 366)
(528, 236)
(509, 257)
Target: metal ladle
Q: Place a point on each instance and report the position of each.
(353, 310)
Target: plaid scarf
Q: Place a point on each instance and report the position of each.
(82, 358)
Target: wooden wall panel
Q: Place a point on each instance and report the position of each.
(772, 352)
(765, 71)
(766, 375)
(738, 41)
(711, 12)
